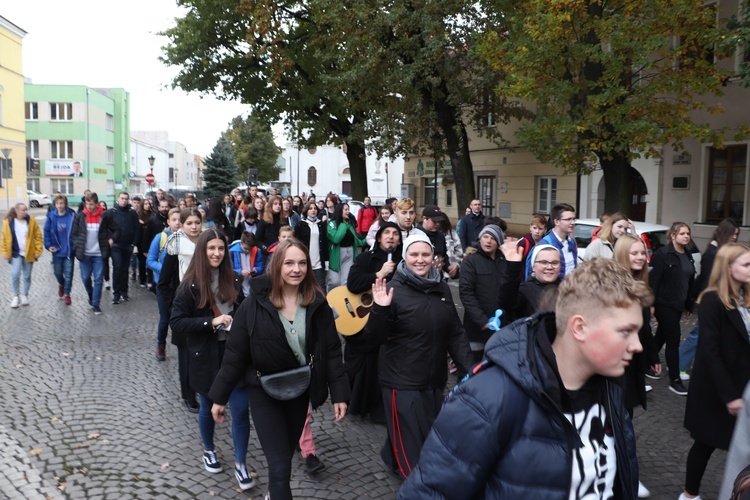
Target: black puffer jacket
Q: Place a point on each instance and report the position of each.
(107, 229)
(487, 284)
(416, 331)
(530, 293)
(504, 433)
(194, 327)
(257, 343)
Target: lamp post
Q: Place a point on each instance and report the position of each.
(151, 161)
(150, 177)
(6, 153)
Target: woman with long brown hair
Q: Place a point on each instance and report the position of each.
(284, 325)
(269, 223)
(671, 279)
(612, 229)
(202, 314)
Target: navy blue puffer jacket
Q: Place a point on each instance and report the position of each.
(502, 434)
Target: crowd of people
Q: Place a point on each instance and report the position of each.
(552, 352)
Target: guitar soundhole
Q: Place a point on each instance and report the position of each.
(366, 299)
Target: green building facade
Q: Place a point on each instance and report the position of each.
(77, 138)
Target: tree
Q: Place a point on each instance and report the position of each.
(252, 143)
(386, 77)
(609, 81)
(220, 174)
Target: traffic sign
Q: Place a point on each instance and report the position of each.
(150, 178)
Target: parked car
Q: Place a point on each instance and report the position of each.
(654, 235)
(354, 207)
(38, 199)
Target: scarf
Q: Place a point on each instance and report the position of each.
(419, 282)
(312, 219)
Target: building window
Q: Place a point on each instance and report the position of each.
(110, 155)
(61, 150)
(109, 122)
(65, 186)
(429, 193)
(32, 149)
(312, 176)
(171, 174)
(727, 174)
(33, 185)
(32, 110)
(171, 155)
(110, 188)
(60, 111)
(546, 194)
(448, 197)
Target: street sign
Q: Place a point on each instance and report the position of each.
(150, 178)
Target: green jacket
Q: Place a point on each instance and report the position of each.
(336, 233)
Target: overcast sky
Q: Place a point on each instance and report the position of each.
(103, 43)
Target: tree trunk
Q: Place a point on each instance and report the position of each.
(457, 144)
(356, 155)
(617, 184)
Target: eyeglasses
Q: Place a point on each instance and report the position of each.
(567, 219)
(548, 263)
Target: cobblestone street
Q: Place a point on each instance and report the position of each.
(89, 413)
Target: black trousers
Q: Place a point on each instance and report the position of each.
(121, 255)
(697, 460)
(409, 416)
(669, 333)
(279, 426)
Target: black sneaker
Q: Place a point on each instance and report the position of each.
(313, 464)
(115, 300)
(96, 310)
(191, 406)
(124, 298)
(650, 373)
(245, 480)
(210, 462)
(678, 388)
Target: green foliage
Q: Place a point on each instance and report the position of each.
(254, 147)
(616, 78)
(220, 173)
(737, 41)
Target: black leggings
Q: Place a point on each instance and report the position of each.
(669, 332)
(697, 460)
(279, 426)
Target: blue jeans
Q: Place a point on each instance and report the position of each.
(164, 313)
(92, 264)
(17, 266)
(238, 406)
(63, 269)
(687, 349)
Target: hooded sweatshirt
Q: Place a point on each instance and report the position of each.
(58, 233)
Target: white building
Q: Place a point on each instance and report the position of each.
(182, 169)
(326, 169)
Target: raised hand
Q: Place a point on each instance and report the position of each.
(511, 250)
(379, 294)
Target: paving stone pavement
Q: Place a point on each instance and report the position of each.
(89, 413)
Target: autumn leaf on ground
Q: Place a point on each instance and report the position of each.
(35, 451)
(80, 445)
(164, 466)
(93, 435)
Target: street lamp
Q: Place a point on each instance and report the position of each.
(6, 153)
(151, 161)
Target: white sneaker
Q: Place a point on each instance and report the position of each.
(683, 496)
(15, 302)
(107, 285)
(24, 300)
(649, 388)
(684, 376)
(643, 491)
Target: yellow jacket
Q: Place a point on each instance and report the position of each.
(34, 242)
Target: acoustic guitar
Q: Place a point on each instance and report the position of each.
(350, 310)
